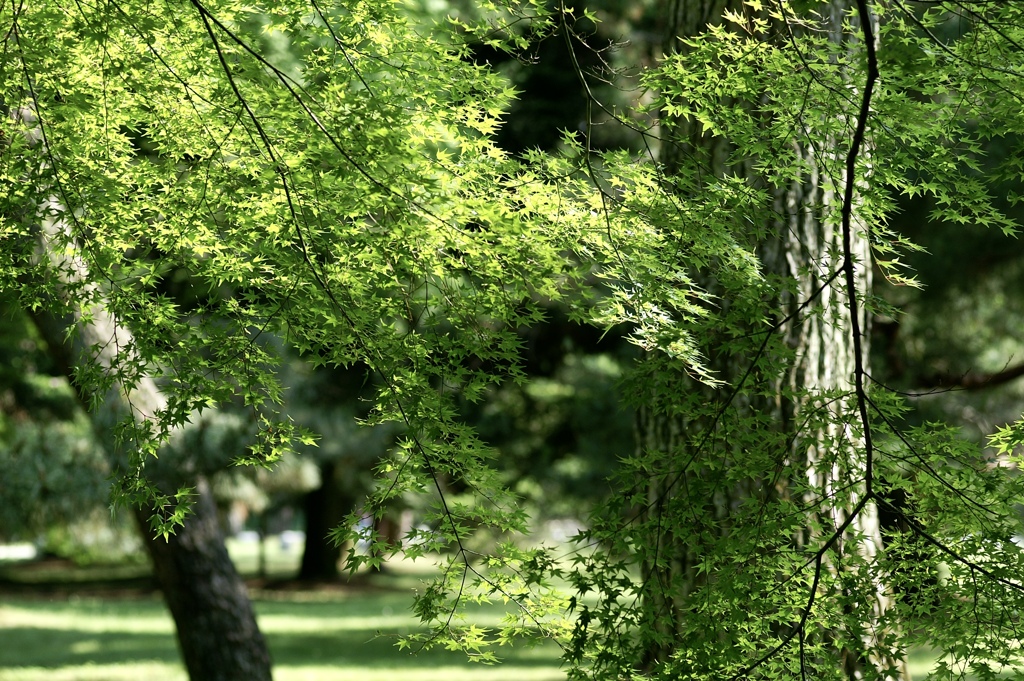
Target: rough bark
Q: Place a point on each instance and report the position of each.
(216, 625)
(804, 249)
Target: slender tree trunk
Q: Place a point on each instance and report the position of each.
(216, 626)
(821, 444)
(325, 508)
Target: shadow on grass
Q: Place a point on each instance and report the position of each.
(53, 648)
(358, 631)
(364, 649)
(50, 648)
(313, 635)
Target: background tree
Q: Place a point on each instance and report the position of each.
(55, 485)
(216, 626)
(330, 401)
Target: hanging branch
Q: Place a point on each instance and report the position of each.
(856, 145)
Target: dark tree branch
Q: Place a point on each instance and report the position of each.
(972, 380)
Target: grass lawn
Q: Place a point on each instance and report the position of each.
(64, 635)
(313, 635)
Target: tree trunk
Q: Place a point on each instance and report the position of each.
(820, 449)
(216, 626)
(325, 509)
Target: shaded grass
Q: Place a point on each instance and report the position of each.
(341, 635)
(314, 635)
